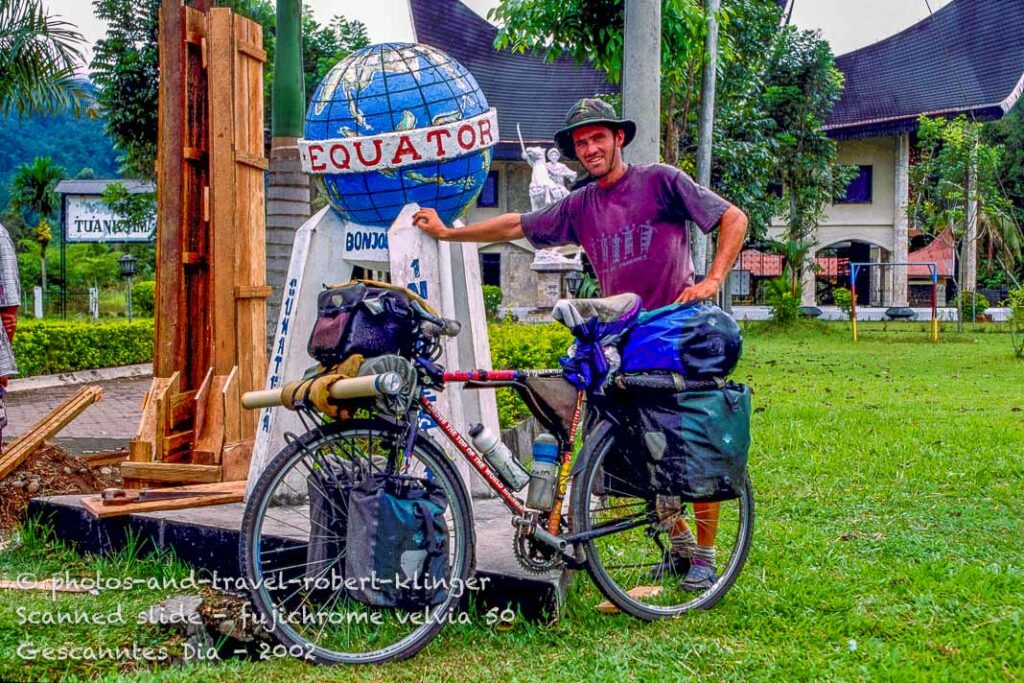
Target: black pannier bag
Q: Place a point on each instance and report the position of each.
(397, 554)
(691, 444)
(357, 318)
(328, 487)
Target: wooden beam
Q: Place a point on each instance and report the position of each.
(210, 433)
(225, 241)
(44, 429)
(253, 291)
(166, 471)
(168, 336)
(236, 459)
(213, 494)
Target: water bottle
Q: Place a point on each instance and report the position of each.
(543, 473)
(499, 457)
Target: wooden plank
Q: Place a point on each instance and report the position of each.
(193, 258)
(103, 459)
(166, 471)
(47, 427)
(183, 408)
(202, 396)
(194, 153)
(236, 460)
(253, 50)
(231, 398)
(260, 163)
(168, 337)
(177, 440)
(162, 414)
(250, 274)
(225, 242)
(253, 291)
(210, 439)
(214, 494)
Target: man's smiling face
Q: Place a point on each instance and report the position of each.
(599, 148)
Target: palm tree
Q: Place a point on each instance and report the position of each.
(34, 193)
(38, 57)
(795, 254)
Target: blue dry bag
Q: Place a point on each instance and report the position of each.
(698, 340)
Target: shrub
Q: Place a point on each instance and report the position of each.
(45, 347)
(965, 309)
(143, 297)
(524, 347)
(844, 300)
(785, 304)
(492, 301)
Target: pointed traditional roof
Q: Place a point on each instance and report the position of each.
(524, 88)
(966, 58)
(940, 252)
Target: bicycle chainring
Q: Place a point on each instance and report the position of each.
(535, 557)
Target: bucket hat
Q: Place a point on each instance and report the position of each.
(589, 112)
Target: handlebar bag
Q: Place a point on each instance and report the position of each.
(397, 543)
(698, 340)
(358, 319)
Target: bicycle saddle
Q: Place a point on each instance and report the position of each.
(610, 309)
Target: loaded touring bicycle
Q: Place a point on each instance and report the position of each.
(358, 539)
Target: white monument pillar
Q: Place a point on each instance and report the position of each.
(900, 225)
(446, 274)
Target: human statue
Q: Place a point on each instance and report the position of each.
(544, 191)
(559, 172)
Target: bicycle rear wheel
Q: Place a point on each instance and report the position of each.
(293, 550)
(623, 562)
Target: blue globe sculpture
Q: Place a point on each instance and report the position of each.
(377, 93)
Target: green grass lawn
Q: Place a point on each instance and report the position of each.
(887, 545)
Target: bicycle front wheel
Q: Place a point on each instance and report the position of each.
(630, 564)
(293, 545)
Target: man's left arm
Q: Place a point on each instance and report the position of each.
(732, 229)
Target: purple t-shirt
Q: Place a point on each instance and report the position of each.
(634, 232)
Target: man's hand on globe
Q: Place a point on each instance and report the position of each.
(429, 222)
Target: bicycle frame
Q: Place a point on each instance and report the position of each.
(503, 378)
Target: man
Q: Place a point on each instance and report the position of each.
(631, 222)
(10, 300)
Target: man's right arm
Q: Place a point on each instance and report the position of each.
(504, 228)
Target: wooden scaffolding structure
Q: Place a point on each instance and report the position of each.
(209, 344)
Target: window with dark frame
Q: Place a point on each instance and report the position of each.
(490, 269)
(859, 189)
(488, 197)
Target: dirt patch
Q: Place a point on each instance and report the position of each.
(52, 471)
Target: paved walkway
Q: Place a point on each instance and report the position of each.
(105, 425)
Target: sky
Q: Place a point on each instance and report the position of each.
(845, 24)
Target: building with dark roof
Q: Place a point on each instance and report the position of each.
(967, 58)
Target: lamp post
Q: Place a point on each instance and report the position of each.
(127, 271)
(573, 281)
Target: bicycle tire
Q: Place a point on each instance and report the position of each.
(583, 493)
(252, 557)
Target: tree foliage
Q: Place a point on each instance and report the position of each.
(801, 87)
(942, 190)
(34, 189)
(765, 105)
(38, 57)
(126, 67)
